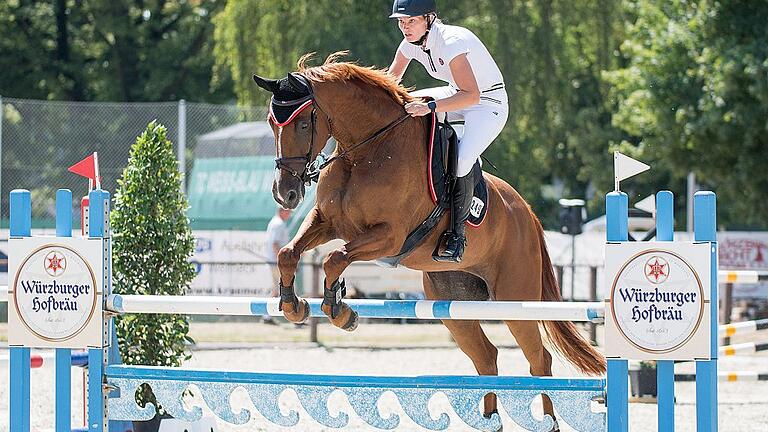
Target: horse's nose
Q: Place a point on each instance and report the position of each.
(292, 196)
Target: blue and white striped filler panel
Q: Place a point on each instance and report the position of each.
(742, 328)
(727, 376)
(742, 348)
(415, 309)
(742, 276)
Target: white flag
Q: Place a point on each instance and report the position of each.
(625, 167)
(647, 204)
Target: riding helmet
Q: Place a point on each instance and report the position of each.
(409, 8)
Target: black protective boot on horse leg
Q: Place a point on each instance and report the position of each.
(456, 241)
(332, 301)
(288, 297)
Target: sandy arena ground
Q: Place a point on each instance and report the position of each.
(743, 405)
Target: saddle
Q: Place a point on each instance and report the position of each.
(443, 158)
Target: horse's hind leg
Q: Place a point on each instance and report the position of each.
(473, 342)
(525, 287)
(469, 336)
(528, 337)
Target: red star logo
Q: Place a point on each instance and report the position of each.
(55, 264)
(655, 270)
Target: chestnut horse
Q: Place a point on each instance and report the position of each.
(374, 193)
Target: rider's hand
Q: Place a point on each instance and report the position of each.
(417, 109)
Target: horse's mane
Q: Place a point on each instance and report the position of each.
(334, 70)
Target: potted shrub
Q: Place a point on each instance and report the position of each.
(152, 246)
(643, 381)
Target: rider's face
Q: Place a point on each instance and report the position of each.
(413, 28)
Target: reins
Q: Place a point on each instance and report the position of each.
(314, 174)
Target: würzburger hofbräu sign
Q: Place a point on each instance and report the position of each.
(55, 293)
(658, 300)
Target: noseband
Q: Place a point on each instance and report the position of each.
(287, 111)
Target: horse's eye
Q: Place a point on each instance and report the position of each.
(303, 125)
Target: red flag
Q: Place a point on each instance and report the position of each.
(86, 167)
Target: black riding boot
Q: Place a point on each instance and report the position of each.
(456, 241)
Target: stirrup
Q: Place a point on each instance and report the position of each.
(443, 238)
(453, 256)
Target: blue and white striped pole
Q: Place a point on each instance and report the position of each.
(705, 230)
(409, 309)
(665, 369)
(63, 355)
(21, 226)
(616, 212)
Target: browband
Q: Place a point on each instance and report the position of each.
(283, 113)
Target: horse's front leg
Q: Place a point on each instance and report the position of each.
(313, 232)
(375, 242)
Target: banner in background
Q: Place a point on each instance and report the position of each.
(239, 267)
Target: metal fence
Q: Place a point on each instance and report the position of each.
(40, 139)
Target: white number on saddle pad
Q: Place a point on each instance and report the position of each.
(476, 207)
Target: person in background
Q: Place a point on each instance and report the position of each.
(277, 237)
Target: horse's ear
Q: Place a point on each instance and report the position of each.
(270, 85)
(298, 83)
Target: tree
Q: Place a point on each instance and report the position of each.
(695, 97)
(151, 250)
(267, 37)
(107, 50)
(559, 131)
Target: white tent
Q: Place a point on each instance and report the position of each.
(239, 139)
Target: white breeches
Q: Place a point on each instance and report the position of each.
(482, 123)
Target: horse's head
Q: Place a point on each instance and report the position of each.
(301, 130)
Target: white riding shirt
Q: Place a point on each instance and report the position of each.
(484, 121)
(444, 43)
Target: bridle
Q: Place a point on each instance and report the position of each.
(310, 169)
(287, 164)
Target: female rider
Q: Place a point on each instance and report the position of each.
(475, 93)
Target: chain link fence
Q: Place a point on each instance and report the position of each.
(39, 140)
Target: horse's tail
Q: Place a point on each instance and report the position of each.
(564, 334)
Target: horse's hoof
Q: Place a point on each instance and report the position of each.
(298, 315)
(555, 427)
(346, 319)
(351, 324)
(489, 415)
